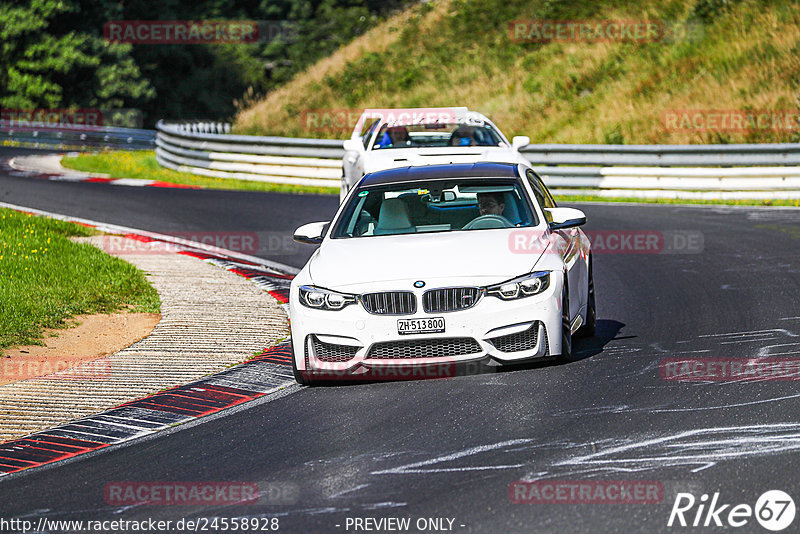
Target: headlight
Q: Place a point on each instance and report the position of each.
(521, 287)
(324, 299)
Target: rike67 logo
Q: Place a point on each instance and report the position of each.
(774, 510)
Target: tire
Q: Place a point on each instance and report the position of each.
(566, 333)
(589, 327)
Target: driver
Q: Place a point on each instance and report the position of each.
(395, 136)
(491, 204)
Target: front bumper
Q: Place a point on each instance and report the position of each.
(354, 340)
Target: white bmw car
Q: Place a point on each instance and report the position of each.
(441, 264)
(389, 138)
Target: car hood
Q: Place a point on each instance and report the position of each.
(402, 157)
(485, 254)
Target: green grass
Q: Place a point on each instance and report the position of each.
(45, 279)
(143, 164)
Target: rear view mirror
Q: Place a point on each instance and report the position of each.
(311, 233)
(351, 145)
(565, 218)
(520, 141)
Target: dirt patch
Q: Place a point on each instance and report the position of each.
(81, 349)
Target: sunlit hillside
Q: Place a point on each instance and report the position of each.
(726, 59)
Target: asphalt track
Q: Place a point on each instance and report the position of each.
(451, 448)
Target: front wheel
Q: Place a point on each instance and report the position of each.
(566, 331)
(588, 328)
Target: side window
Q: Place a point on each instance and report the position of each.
(551, 203)
(542, 194)
(368, 134)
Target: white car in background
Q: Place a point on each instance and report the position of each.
(439, 265)
(389, 138)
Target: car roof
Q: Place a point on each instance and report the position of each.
(414, 116)
(450, 170)
(411, 116)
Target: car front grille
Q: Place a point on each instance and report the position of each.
(424, 348)
(330, 352)
(449, 299)
(525, 340)
(390, 303)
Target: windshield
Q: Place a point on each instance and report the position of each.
(435, 206)
(437, 135)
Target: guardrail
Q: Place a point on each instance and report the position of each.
(772, 154)
(75, 137)
(202, 149)
(208, 149)
(679, 178)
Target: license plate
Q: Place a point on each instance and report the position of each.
(431, 325)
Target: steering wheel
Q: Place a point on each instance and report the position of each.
(487, 221)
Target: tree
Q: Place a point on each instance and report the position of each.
(52, 62)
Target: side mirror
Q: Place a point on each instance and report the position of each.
(565, 218)
(311, 233)
(351, 145)
(520, 141)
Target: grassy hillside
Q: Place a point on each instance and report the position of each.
(736, 55)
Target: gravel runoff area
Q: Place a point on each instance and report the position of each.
(211, 319)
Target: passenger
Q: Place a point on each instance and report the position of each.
(463, 136)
